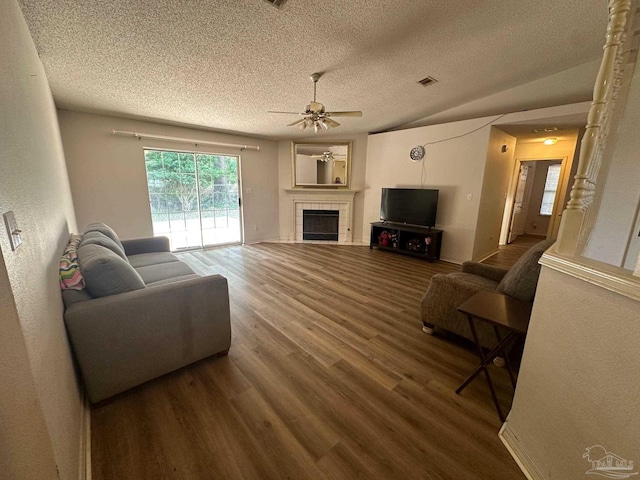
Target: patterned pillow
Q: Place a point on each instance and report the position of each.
(70, 276)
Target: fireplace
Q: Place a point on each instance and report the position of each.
(340, 200)
(320, 224)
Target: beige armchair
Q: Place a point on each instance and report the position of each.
(447, 291)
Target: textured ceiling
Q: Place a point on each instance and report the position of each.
(222, 64)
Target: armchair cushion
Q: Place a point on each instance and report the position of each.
(488, 271)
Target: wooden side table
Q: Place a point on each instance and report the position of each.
(500, 311)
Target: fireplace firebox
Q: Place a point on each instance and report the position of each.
(320, 225)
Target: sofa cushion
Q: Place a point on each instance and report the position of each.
(163, 271)
(153, 258)
(105, 230)
(99, 238)
(106, 273)
(173, 280)
(522, 278)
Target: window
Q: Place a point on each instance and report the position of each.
(550, 189)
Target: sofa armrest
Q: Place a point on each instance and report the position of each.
(126, 339)
(137, 246)
(488, 271)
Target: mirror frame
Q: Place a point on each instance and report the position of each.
(327, 144)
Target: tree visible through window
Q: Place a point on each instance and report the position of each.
(193, 197)
(550, 189)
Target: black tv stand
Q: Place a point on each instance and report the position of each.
(414, 240)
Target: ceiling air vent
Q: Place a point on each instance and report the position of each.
(425, 82)
(276, 3)
(545, 130)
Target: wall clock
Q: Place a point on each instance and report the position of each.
(417, 153)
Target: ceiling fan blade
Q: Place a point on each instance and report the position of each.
(295, 123)
(344, 114)
(331, 123)
(289, 113)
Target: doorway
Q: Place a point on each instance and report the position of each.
(534, 210)
(194, 198)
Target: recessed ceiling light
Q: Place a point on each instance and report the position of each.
(550, 141)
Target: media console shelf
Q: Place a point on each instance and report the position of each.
(421, 242)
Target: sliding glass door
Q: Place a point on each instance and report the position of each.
(194, 197)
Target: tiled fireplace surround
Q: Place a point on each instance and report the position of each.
(321, 199)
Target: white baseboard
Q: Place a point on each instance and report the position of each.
(488, 255)
(519, 454)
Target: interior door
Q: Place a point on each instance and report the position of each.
(519, 204)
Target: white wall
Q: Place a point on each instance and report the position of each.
(108, 176)
(495, 185)
(40, 400)
(357, 179)
(615, 229)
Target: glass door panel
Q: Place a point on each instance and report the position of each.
(194, 198)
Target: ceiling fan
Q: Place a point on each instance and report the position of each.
(327, 156)
(315, 115)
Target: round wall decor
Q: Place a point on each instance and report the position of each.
(417, 153)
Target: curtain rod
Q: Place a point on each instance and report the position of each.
(184, 140)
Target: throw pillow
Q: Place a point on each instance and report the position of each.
(70, 276)
(522, 279)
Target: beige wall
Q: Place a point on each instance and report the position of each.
(455, 167)
(358, 169)
(40, 401)
(495, 184)
(108, 176)
(579, 382)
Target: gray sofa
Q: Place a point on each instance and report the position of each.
(142, 314)
(448, 291)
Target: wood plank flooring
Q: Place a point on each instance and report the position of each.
(329, 376)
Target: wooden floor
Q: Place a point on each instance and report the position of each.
(329, 376)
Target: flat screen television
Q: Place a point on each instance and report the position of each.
(413, 206)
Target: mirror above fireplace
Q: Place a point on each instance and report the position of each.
(321, 164)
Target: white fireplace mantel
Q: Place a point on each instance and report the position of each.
(321, 199)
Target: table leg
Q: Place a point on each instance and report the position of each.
(483, 366)
(506, 356)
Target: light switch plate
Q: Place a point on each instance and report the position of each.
(12, 230)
